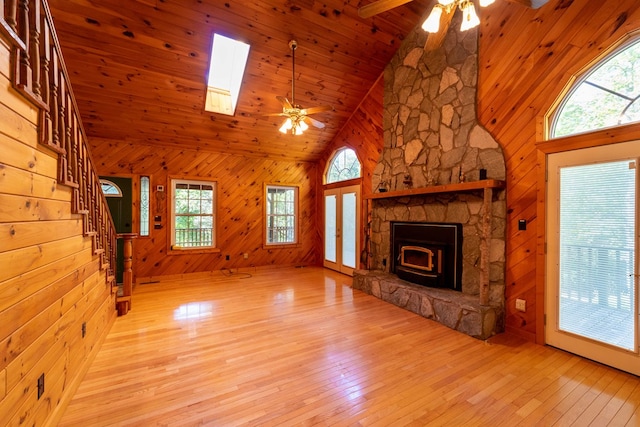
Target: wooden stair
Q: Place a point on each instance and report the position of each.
(41, 76)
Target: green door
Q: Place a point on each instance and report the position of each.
(120, 201)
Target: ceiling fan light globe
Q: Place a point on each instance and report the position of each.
(485, 3)
(432, 23)
(286, 126)
(469, 16)
(303, 126)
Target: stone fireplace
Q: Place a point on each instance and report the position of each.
(439, 165)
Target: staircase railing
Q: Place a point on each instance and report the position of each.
(39, 73)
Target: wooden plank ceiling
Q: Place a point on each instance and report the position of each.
(138, 68)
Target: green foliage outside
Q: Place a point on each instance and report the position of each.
(608, 96)
(344, 166)
(281, 214)
(193, 215)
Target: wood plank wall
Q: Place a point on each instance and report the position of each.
(50, 280)
(240, 223)
(526, 58)
(363, 134)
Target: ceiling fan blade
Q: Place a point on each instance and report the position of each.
(315, 122)
(275, 114)
(314, 110)
(367, 11)
(285, 102)
(533, 4)
(434, 40)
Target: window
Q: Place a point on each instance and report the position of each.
(343, 166)
(281, 214)
(193, 205)
(110, 189)
(144, 206)
(606, 95)
(228, 60)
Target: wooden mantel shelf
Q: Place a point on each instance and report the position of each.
(448, 188)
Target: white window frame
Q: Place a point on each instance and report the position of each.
(269, 215)
(335, 163)
(581, 79)
(112, 188)
(174, 183)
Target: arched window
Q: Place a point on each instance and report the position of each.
(110, 189)
(606, 95)
(343, 166)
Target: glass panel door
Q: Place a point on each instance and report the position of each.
(597, 230)
(591, 291)
(349, 232)
(330, 227)
(342, 225)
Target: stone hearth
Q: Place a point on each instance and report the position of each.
(454, 309)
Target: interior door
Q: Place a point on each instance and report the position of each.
(591, 300)
(121, 208)
(342, 225)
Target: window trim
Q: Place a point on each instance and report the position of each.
(104, 181)
(296, 242)
(173, 249)
(575, 80)
(331, 160)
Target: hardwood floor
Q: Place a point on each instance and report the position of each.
(300, 347)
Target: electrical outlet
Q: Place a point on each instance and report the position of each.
(521, 305)
(246, 255)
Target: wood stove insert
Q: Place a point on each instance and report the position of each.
(427, 253)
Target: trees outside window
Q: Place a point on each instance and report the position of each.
(281, 215)
(193, 214)
(343, 166)
(605, 96)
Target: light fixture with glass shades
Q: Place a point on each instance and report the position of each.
(296, 116)
(438, 21)
(469, 16)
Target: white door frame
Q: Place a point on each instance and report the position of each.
(626, 360)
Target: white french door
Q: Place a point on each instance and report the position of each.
(341, 229)
(591, 295)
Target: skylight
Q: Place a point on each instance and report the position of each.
(228, 60)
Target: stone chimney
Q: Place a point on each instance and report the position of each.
(432, 137)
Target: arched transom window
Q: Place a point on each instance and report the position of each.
(606, 95)
(110, 189)
(343, 166)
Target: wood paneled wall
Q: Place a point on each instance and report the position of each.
(240, 201)
(51, 282)
(362, 133)
(526, 58)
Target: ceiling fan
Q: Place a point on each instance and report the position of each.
(297, 117)
(438, 21)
